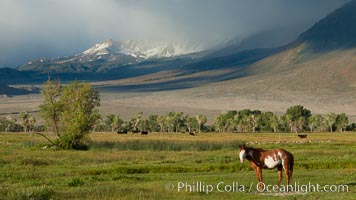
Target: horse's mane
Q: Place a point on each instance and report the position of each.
(258, 149)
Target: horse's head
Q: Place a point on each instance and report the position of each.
(242, 153)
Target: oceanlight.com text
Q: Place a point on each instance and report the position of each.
(302, 188)
(236, 187)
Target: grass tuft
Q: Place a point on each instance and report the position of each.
(75, 182)
(33, 162)
(32, 193)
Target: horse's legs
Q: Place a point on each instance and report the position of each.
(259, 177)
(287, 171)
(258, 171)
(280, 175)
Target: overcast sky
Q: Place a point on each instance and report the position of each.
(49, 28)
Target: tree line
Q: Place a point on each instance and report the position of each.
(24, 122)
(171, 122)
(71, 112)
(296, 119)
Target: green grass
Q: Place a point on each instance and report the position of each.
(146, 167)
(165, 145)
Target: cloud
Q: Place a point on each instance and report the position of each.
(31, 29)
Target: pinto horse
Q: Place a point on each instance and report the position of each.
(262, 159)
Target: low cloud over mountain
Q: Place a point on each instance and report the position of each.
(30, 30)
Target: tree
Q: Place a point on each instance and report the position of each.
(126, 126)
(255, 120)
(109, 121)
(341, 122)
(161, 121)
(172, 119)
(153, 124)
(71, 112)
(274, 123)
(248, 120)
(324, 124)
(330, 120)
(8, 123)
(246, 123)
(178, 120)
(27, 121)
(191, 123)
(220, 123)
(114, 122)
(225, 121)
(51, 109)
(236, 123)
(117, 123)
(143, 125)
(351, 127)
(201, 119)
(266, 120)
(297, 118)
(137, 121)
(80, 113)
(31, 123)
(315, 122)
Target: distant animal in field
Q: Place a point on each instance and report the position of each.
(144, 132)
(121, 132)
(268, 159)
(192, 133)
(302, 135)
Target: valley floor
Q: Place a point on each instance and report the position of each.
(167, 166)
(189, 101)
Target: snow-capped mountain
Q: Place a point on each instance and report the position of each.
(140, 50)
(108, 55)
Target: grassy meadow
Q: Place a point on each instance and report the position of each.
(155, 166)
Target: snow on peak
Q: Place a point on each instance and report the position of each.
(99, 49)
(141, 50)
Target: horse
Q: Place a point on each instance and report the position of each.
(192, 133)
(302, 135)
(121, 132)
(268, 159)
(144, 132)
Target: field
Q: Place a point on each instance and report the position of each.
(172, 166)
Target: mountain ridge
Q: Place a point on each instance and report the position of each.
(336, 31)
(109, 54)
(237, 63)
